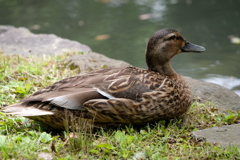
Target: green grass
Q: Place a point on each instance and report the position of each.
(21, 138)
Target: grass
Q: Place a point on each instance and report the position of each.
(21, 138)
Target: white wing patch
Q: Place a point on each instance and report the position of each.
(63, 101)
(70, 101)
(104, 94)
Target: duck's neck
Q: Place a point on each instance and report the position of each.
(165, 69)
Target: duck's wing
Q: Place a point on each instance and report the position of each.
(71, 93)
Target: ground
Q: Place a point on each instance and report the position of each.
(21, 138)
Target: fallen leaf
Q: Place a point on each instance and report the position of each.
(71, 135)
(213, 110)
(102, 37)
(234, 39)
(145, 16)
(80, 23)
(35, 27)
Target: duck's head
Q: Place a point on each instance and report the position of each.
(163, 45)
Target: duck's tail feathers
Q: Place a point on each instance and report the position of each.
(21, 110)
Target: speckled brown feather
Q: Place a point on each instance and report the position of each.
(113, 97)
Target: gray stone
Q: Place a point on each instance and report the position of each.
(45, 156)
(21, 41)
(5, 28)
(224, 98)
(91, 61)
(225, 135)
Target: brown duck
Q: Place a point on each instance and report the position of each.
(113, 97)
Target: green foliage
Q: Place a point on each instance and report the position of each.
(21, 138)
(232, 117)
(45, 137)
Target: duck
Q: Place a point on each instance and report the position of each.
(116, 96)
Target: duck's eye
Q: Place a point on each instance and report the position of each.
(172, 37)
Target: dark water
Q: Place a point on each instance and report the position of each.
(208, 23)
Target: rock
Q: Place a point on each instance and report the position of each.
(22, 42)
(224, 98)
(225, 135)
(5, 28)
(91, 61)
(45, 156)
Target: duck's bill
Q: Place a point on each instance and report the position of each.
(190, 47)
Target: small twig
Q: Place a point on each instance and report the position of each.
(31, 75)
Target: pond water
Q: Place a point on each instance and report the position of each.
(126, 26)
